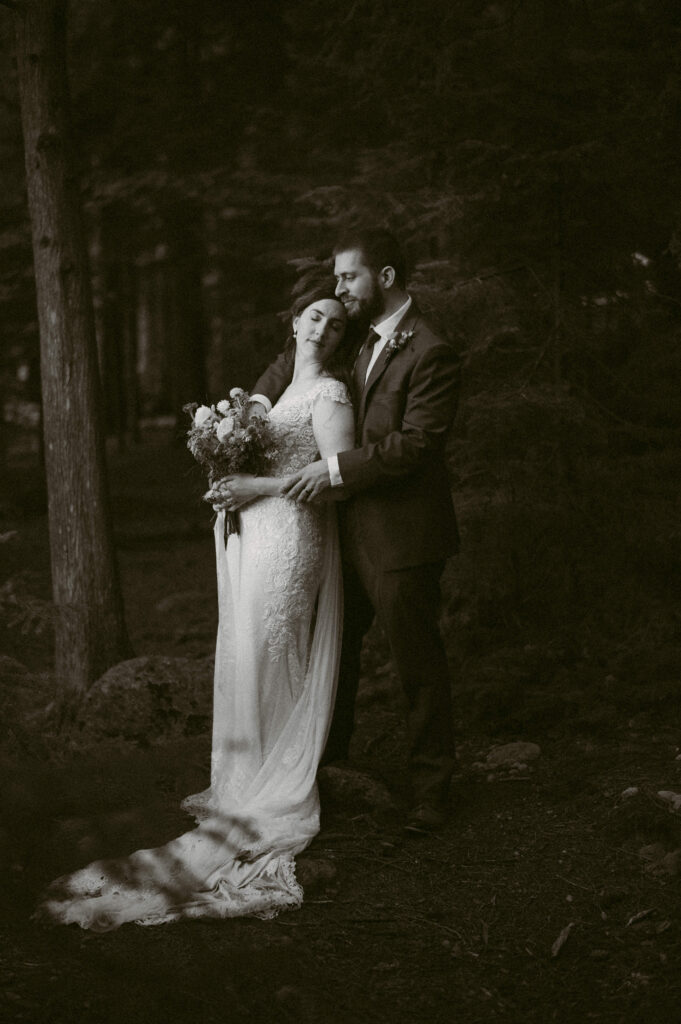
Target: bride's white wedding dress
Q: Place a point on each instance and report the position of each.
(278, 647)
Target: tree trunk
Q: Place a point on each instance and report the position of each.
(90, 627)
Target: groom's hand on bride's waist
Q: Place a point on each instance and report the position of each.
(310, 483)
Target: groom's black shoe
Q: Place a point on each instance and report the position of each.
(425, 819)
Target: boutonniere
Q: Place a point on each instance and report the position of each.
(396, 342)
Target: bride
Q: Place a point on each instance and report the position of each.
(278, 646)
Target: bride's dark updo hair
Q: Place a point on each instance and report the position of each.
(317, 282)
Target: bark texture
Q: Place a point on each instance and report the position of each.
(90, 627)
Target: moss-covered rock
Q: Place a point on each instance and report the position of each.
(150, 698)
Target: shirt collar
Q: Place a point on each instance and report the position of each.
(387, 327)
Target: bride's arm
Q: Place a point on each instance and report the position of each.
(333, 424)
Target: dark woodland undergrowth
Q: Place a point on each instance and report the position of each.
(552, 894)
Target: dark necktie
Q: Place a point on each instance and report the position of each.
(364, 358)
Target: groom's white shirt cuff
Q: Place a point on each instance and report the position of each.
(334, 471)
(263, 399)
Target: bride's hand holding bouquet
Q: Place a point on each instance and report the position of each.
(234, 491)
(236, 450)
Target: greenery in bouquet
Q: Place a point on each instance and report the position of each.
(225, 439)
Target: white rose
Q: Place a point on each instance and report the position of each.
(236, 392)
(224, 406)
(202, 415)
(225, 427)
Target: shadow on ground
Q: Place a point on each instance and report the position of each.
(552, 893)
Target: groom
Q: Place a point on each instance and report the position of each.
(397, 524)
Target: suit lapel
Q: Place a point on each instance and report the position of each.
(407, 323)
(359, 370)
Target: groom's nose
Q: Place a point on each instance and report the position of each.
(340, 289)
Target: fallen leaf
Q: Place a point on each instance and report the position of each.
(562, 939)
(635, 918)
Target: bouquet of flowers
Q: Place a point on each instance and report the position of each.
(224, 440)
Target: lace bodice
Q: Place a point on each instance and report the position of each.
(291, 418)
(289, 546)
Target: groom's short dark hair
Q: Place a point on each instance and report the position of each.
(379, 248)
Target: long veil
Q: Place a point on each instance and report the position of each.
(271, 719)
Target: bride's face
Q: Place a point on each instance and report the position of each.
(319, 330)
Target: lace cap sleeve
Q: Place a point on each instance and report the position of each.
(333, 389)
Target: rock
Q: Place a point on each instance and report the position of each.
(11, 669)
(510, 759)
(627, 793)
(674, 799)
(146, 698)
(314, 872)
(661, 861)
(347, 786)
(511, 754)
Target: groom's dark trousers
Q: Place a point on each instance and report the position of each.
(407, 602)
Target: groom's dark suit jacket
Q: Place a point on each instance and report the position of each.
(399, 502)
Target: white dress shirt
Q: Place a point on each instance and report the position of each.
(384, 330)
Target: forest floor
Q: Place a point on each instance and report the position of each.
(549, 896)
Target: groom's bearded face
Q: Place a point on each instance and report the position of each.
(358, 287)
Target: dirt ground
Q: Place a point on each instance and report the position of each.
(551, 895)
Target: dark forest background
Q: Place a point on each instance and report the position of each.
(527, 154)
